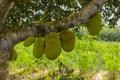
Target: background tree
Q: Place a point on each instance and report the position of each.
(31, 17)
(36, 11)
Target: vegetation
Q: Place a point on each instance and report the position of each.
(107, 34)
(110, 34)
(30, 11)
(20, 19)
(88, 57)
(18, 27)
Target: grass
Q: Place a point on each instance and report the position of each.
(88, 57)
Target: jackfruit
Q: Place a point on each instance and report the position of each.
(39, 47)
(29, 41)
(13, 55)
(95, 24)
(67, 40)
(66, 34)
(52, 45)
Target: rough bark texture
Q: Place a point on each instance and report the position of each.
(7, 41)
(4, 64)
(9, 38)
(4, 55)
(5, 6)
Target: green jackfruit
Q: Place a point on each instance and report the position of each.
(39, 47)
(29, 41)
(66, 34)
(68, 40)
(95, 24)
(52, 45)
(13, 55)
(68, 45)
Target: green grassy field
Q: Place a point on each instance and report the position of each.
(88, 57)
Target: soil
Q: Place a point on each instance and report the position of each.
(100, 75)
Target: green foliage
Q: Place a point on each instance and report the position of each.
(87, 58)
(85, 61)
(36, 11)
(110, 34)
(112, 60)
(111, 12)
(106, 34)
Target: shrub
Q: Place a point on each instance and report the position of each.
(107, 34)
(110, 34)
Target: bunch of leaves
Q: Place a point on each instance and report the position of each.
(112, 59)
(111, 11)
(110, 34)
(36, 11)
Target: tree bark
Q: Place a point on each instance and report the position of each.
(8, 38)
(4, 54)
(7, 41)
(5, 6)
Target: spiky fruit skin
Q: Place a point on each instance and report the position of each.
(29, 41)
(95, 24)
(52, 45)
(39, 47)
(68, 45)
(13, 55)
(68, 40)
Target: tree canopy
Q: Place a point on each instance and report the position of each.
(37, 11)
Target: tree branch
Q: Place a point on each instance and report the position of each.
(5, 6)
(10, 38)
(80, 17)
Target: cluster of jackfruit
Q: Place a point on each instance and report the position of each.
(52, 44)
(38, 46)
(95, 24)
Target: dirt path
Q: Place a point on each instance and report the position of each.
(100, 75)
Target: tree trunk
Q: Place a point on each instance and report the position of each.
(5, 6)
(7, 41)
(4, 55)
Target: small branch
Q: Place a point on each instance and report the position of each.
(5, 6)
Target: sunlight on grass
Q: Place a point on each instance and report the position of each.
(88, 56)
